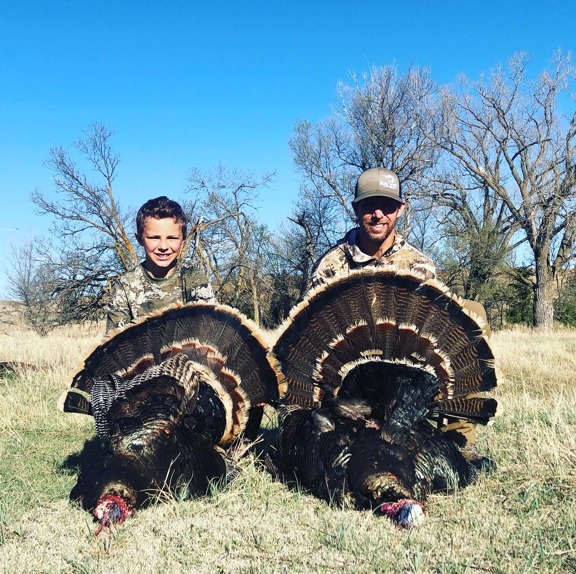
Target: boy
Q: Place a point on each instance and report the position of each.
(161, 280)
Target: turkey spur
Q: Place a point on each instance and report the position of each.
(170, 396)
(372, 363)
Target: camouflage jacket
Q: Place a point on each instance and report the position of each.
(136, 294)
(347, 256)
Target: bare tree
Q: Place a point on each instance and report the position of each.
(292, 256)
(31, 283)
(85, 208)
(300, 252)
(230, 243)
(476, 227)
(509, 136)
(314, 226)
(71, 274)
(382, 119)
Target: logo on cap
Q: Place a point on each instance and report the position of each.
(389, 181)
(378, 182)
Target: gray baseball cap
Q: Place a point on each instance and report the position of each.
(378, 182)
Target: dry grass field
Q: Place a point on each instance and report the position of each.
(520, 519)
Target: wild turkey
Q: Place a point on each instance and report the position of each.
(169, 396)
(370, 360)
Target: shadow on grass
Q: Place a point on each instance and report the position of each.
(86, 464)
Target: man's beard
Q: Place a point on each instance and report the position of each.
(376, 239)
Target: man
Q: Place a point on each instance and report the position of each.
(378, 204)
(161, 280)
(375, 242)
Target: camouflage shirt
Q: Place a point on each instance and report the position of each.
(347, 256)
(136, 294)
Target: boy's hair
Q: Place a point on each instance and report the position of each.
(161, 208)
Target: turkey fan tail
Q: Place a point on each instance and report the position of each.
(178, 368)
(382, 316)
(221, 412)
(479, 410)
(225, 343)
(228, 342)
(75, 401)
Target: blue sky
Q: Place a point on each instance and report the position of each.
(193, 84)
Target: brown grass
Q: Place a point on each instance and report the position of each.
(520, 519)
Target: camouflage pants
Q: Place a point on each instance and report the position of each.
(459, 431)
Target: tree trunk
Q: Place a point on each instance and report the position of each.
(543, 297)
(255, 301)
